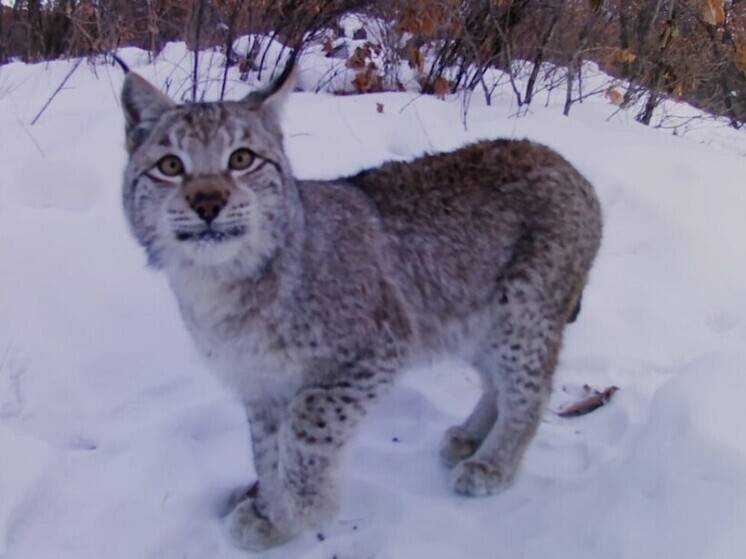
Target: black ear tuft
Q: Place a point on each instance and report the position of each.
(275, 93)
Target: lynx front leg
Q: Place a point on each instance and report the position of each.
(321, 420)
(251, 525)
(298, 486)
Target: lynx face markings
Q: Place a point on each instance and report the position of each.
(307, 298)
(202, 188)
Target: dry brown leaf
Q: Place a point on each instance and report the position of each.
(359, 58)
(595, 400)
(713, 12)
(441, 87)
(626, 56)
(415, 59)
(425, 19)
(327, 46)
(615, 96)
(368, 80)
(741, 57)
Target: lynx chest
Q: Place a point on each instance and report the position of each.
(244, 345)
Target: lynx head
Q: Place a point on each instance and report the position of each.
(207, 184)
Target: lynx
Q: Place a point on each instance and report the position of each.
(307, 298)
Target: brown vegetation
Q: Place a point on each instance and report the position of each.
(689, 49)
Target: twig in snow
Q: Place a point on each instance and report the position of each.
(31, 137)
(197, 34)
(595, 400)
(122, 64)
(229, 46)
(56, 91)
(12, 369)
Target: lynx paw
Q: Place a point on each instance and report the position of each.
(457, 445)
(477, 478)
(249, 529)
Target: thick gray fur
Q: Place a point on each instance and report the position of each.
(308, 297)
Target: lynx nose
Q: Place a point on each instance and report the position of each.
(207, 203)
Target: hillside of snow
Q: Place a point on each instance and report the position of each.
(115, 441)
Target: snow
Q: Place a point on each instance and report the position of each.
(115, 441)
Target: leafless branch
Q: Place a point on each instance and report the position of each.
(56, 91)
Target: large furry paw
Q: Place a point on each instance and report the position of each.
(457, 445)
(249, 529)
(477, 478)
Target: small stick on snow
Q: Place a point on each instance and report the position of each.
(56, 91)
(587, 405)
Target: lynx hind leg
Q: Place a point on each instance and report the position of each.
(520, 359)
(461, 441)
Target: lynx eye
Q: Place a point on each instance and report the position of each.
(170, 166)
(241, 159)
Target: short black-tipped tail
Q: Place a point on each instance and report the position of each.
(575, 312)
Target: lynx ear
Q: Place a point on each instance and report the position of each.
(271, 99)
(143, 105)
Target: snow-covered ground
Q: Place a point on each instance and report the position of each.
(116, 442)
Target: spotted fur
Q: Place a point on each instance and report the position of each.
(308, 297)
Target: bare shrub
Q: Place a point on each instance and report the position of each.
(688, 49)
